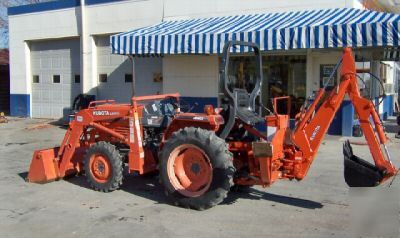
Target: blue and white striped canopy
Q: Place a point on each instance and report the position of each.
(329, 28)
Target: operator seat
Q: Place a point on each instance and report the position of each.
(244, 111)
(241, 103)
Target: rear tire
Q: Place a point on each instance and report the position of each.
(103, 167)
(206, 165)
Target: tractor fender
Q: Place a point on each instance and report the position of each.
(198, 120)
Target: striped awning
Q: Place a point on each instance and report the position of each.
(329, 28)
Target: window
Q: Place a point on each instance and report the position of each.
(77, 78)
(128, 78)
(35, 79)
(285, 75)
(56, 79)
(103, 78)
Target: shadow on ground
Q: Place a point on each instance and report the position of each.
(254, 194)
(143, 186)
(60, 123)
(23, 175)
(391, 125)
(148, 187)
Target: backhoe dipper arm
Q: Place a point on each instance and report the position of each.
(310, 131)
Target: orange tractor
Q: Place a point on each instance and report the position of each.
(200, 156)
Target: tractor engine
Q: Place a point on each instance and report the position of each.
(156, 117)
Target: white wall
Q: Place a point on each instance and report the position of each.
(116, 17)
(145, 70)
(35, 26)
(65, 23)
(314, 60)
(116, 66)
(123, 16)
(183, 9)
(191, 76)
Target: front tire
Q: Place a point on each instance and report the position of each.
(196, 168)
(103, 167)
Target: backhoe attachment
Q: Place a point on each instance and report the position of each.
(314, 122)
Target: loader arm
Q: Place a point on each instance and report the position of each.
(55, 163)
(103, 120)
(312, 127)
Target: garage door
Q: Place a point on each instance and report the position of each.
(55, 77)
(115, 74)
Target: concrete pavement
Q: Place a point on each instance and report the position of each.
(318, 206)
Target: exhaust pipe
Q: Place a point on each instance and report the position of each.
(358, 172)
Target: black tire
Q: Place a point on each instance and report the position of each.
(109, 152)
(220, 159)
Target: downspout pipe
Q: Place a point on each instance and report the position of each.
(86, 84)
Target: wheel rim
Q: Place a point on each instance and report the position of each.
(189, 170)
(100, 168)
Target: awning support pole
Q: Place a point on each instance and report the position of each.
(132, 58)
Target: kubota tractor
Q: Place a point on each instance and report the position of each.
(200, 156)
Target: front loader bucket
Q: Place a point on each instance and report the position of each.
(358, 172)
(44, 167)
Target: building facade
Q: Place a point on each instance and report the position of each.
(61, 49)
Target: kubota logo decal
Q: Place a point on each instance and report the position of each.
(314, 133)
(105, 113)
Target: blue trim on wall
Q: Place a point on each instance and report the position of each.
(201, 101)
(93, 2)
(387, 107)
(336, 126)
(391, 105)
(41, 7)
(347, 118)
(20, 105)
(55, 5)
(342, 123)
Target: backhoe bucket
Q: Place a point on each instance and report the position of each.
(44, 167)
(358, 172)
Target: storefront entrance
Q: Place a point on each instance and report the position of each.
(282, 76)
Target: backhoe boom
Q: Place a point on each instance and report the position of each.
(310, 130)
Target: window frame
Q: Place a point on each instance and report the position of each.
(75, 77)
(130, 78)
(34, 77)
(101, 79)
(59, 78)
